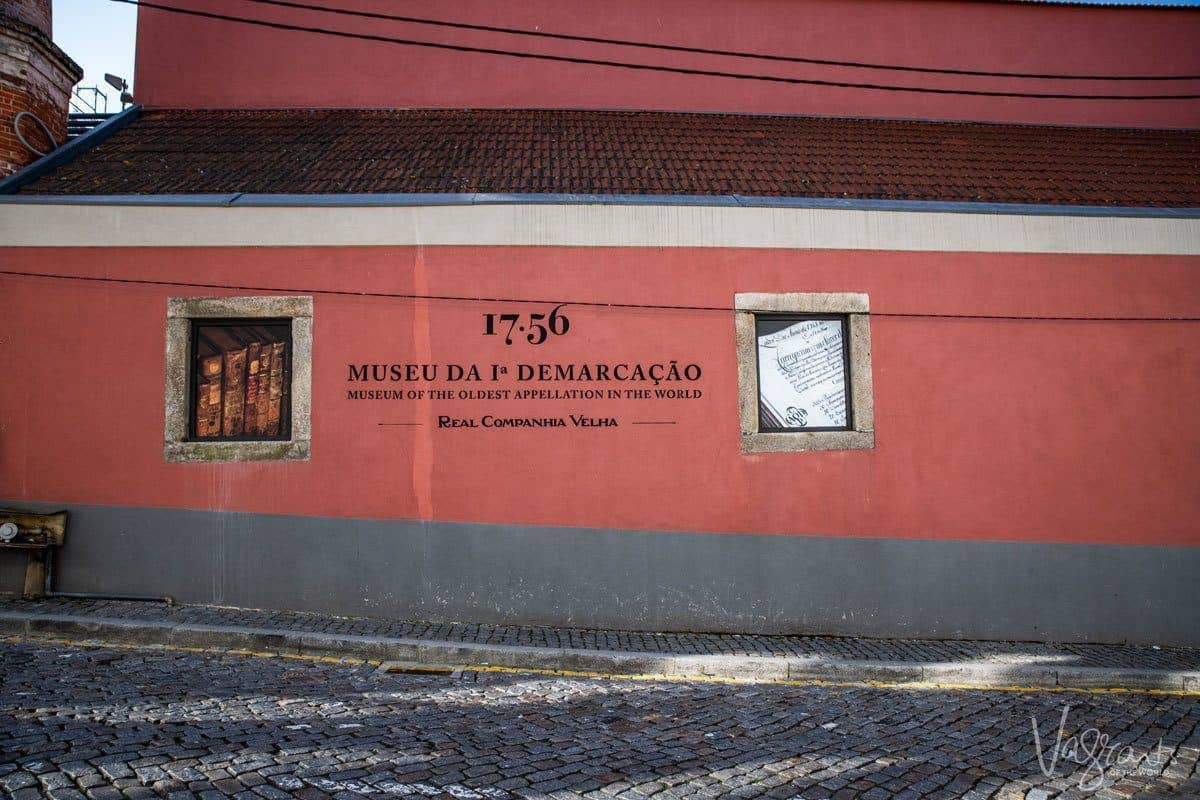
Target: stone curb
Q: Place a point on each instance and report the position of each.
(465, 655)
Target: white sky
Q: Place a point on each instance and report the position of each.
(99, 36)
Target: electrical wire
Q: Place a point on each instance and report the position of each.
(556, 303)
(41, 124)
(650, 67)
(713, 52)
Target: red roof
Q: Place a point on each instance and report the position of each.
(604, 152)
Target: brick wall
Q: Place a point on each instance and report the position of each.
(34, 12)
(35, 76)
(13, 154)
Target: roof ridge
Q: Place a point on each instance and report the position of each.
(670, 113)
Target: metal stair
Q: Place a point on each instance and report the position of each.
(78, 124)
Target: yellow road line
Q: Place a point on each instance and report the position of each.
(816, 682)
(571, 673)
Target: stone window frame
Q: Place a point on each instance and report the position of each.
(856, 308)
(181, 312)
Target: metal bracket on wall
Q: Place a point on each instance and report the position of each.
(40, 535)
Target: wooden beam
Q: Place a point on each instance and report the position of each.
(35, 575)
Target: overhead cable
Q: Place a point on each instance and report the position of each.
(556, 302)
(674, 48)
(648, 67)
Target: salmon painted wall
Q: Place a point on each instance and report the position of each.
(1014, 430)
(191, 62)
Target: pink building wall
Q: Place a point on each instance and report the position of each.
(985, 429)
(1030, 479)
(189, 62)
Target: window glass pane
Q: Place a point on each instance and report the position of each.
(241, 380)
(802, 373)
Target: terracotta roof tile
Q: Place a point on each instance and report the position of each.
(605, 152)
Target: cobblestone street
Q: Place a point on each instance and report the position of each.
(109, 723)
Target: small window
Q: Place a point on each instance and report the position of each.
(804, 372)
(239, 379)
(241, 370)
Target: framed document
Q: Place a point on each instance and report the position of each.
(803, 373)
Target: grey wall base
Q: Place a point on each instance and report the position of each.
(635, 580)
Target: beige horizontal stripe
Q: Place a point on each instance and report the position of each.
(40, 225)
